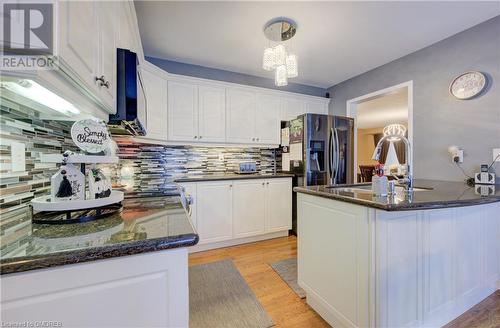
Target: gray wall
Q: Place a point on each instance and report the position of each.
(439, 119)
(233, 77)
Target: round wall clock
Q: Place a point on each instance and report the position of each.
(468, 85)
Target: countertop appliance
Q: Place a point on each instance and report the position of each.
(246, 168)
(485, 176)
(130, 98)
(321, 151)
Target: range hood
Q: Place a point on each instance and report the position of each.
(130, 103)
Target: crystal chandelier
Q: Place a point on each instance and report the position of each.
(277, 57)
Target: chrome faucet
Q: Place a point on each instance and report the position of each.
(407, 180)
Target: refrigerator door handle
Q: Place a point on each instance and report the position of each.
(337, 153)
(332, 157)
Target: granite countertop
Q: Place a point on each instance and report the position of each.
(144, 225)
(233, 176)
(438, 194)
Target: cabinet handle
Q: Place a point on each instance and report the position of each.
(102, 81)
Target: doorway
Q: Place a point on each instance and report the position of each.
(371, 113)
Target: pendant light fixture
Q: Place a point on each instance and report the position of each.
(276, 56)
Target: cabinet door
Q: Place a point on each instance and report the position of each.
(249, 208)
(107, 51)
(182, 111)
(212, 113)
(240, 115)
(267, 123)
(316, 107)
(291, 108)
(155, 88)
(279, 204)
(214, 211)
(79, 42)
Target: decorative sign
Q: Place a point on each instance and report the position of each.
(468, 85)
(91, 135)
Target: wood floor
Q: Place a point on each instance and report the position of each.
(252, 260)
(286, 308)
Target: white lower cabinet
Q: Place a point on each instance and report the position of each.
(249, 210)
(214, 211)
(278, 205)
(144, 290)
(233, 212)
(363, 267)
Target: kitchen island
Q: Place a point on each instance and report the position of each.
(129, 269)
(419, 260)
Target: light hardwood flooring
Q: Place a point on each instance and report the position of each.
(286, 308)
(252, 260)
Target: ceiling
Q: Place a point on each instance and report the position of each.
(382, 111)
(334, 42)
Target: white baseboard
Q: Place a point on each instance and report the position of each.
(238, 241)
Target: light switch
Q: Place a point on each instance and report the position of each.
(18, 156)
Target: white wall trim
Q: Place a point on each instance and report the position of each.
(351, 111)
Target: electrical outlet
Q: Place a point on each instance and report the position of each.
(460, 155)
(221, 157)
(496, 154)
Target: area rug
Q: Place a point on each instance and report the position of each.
(219, 297)
(287, 270)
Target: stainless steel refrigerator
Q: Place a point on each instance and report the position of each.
(321, 151)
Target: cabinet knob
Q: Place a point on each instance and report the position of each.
(253, 139)
(101, 81)
(257, 139)
(199, 137)
(195, 137)
(230, 186)
(263, 184)
(267, 183)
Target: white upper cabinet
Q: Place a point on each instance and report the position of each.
(78, 44)
(240, 115)
(107, 47)
(316, 106)
(292, 107)
(182, 111)
(267, 122)
(212, 114)
(155, 89)
(87, 46)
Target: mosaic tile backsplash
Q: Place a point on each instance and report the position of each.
(144, 169)
(147, 169)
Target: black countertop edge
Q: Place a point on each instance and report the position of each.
(233, 176)
(428, 205)
(98, 253)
